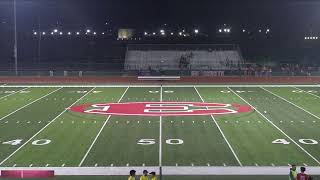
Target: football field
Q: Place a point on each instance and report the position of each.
(159, 126)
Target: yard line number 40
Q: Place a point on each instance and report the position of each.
(302, 141)
(40, 142)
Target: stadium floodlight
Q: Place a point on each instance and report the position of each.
(55, 30)
(196, 31)
(35, 33)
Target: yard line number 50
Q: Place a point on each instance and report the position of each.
(146, 142)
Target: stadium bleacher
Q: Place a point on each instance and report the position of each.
(210, 60)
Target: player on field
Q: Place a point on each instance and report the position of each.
(132, 175)
(302, 175)
(145, 175)
(293, 172)
(153, 176)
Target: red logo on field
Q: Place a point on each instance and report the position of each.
(161, 109)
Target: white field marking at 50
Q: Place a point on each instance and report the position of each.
(305, 151)
(308, 92)
(100, 131)
(160, 132)
(50, 122)
(14, 93)
(224, 137)
(29, 104)
(290, 103)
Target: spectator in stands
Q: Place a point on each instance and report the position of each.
(153, 176)
(145, 175)
(302, 175)
(132, 175)
(293, 172)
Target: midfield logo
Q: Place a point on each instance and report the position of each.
(161, 109)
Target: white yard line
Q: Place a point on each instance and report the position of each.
(13, 93)
(96, 138)
(290, 103)
(160, 133)
(29, 104)
(307, 92)
(45, 127)
(224, 137)
(305, 151)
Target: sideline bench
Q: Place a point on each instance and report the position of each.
(158, 78)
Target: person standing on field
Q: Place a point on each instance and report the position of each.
(293, 172)
(145, 175)
(132, 175)
(153, 176)
(302, 175)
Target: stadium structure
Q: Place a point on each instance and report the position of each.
(221, 103)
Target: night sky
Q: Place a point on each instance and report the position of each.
(286, 15)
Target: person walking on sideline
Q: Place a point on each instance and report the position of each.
(153, 176)
(302, 175)
(293, 172)
(132, 175)
(145, 175)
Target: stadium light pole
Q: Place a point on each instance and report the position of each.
(15, 50)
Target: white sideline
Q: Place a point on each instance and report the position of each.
(224, 137)
(167, 85)
(169, 170)
(308, 112)
(305, 151)
(96, 138)
(44, 127)
(14, 93)
(308, 92)
(29, 104)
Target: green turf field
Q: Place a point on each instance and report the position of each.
(38, 130)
